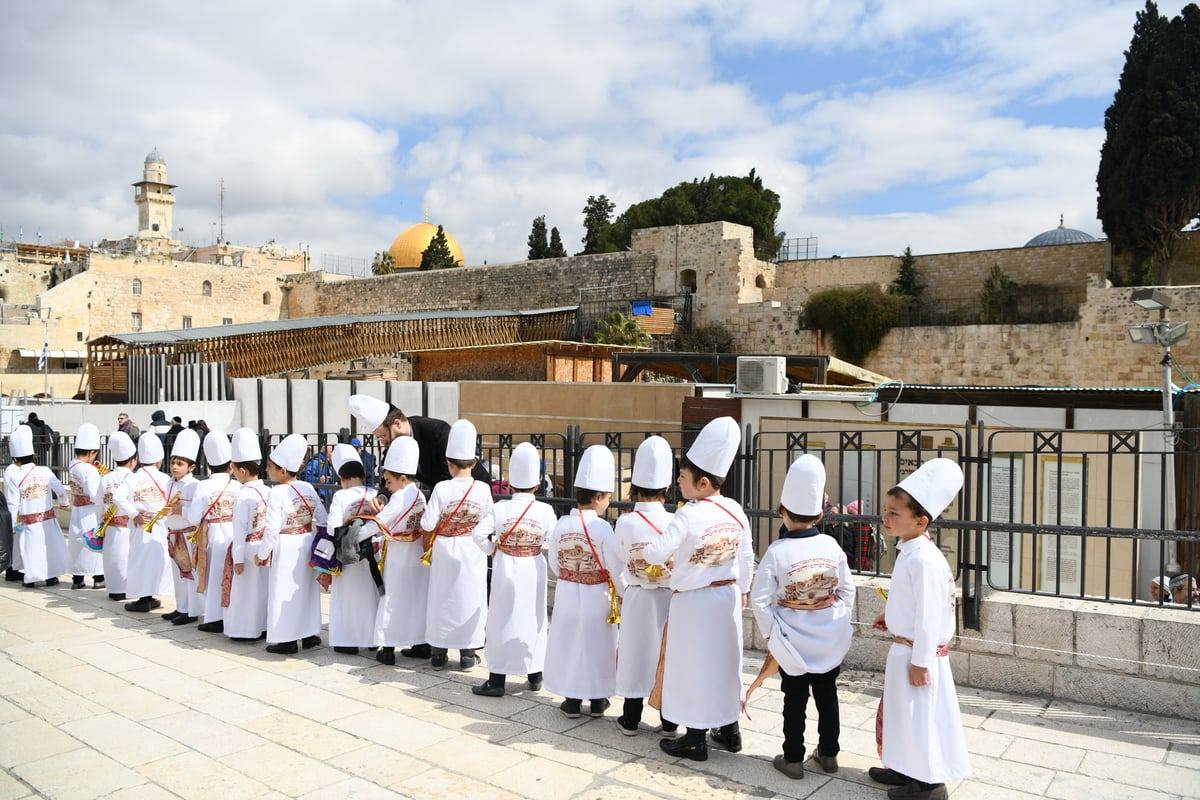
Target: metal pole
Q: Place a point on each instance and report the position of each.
(46, 355)
(1168, 521)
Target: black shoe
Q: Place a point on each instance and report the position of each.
(245, 639)
(52, 582)
(468, 661)
(687, 747)
(77, 582)
(437, 660)
(887, 776)
(627, 728)
(309, 642)
(793, 769)
(535, 682)
(571, 709)
(13, 575)
(599, 706)
(171, 615)
(417, 651)
(97, 581)
(184, 619)
(486, 689)
(346, 651)
(916, 790)
(143, 605)
(386, 655)
(827, 763)
(212, 627)
(116, 595)
(283, 648)
(728, 736)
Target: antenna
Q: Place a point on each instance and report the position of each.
(221, 234)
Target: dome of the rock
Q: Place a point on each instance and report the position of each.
(408, 246)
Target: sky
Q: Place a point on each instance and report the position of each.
(941, 125)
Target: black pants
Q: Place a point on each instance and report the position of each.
(795, 705)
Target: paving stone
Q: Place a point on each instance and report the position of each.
(353, 789)
(996, 772)
(1132, 772)
(193, 775)
(284, 770)
(56, 705)
(438, 784)
(1073, 786)
(303, 735)
(136, 703)
(542, 779)
(123, 740)
(315, 703)
(570, 750)
(382, 765)
(392, 730)
(468, 755)
(13, 789)
(204, 734)
(78, 773)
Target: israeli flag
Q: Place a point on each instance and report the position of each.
(45, 352)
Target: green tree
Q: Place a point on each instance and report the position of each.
(908, 283)
(437, 255)
(597, 214)
(556, 249)
(383, 263)
(1148, 182)
(998, 297)
(856, 318)
(617, 328)
(538, 248)
(714, 338)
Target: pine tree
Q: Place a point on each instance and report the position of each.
(538, 248)
(597, 215)
(437, 255)
(907, 281)
(383, 264)
(556, 249)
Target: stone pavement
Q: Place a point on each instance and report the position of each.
(97, 702)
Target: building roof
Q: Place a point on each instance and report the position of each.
(406, 250)
(1060, 235)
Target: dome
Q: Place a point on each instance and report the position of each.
(1060, 235)
(409, 246)
(155, 158)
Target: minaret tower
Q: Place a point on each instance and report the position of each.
(154, 199)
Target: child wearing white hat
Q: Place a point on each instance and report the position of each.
(647, 597)
(29, 490)
(457, 612)
(83, 479)
(294, 512)
(803, 598)
(513, 534)
(115, 553)
(923, 744)
(141, 499)
(354, 598)
(211, 511)
(182, 491)
(709, 539)
(581, 653)
(243, 582)
(401, 616)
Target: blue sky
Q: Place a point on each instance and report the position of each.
(942, 125)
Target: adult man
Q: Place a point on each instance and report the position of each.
(368, 460)
(1184, 591)
(159, 427)
(175, 429)
(127, 426)
(1160, 588)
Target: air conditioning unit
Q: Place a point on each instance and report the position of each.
(762, 375)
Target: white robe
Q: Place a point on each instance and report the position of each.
(702, 672)
(581, 653)
(86, 513)
(644, 610)
(213, 502)
(115, 555)
(294, 599)
(516, 626)
(354, 600)
(922, 728)
(808, 569)
(187, 599)
(401, 615)
(43, 548)
(12, 498)
(457, 612)
(149, 570)
(246, 615)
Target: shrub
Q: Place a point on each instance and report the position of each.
(857, 318)
(707, 339)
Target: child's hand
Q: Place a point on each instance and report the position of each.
(880, 623)
(238, 569)
(376, 505)
(918, 676)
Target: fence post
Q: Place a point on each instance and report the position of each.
(572, 451)
(971, 543)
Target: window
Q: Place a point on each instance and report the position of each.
(266, 298)
(79, 336)
(206, 289)
(226, 320)
(187, 322)
(137, 286)
(136, 321)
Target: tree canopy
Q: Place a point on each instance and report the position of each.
(597, 216)
(437, 255)
(538, 248)
(556, 249)
(1148, 183)
(383, 263)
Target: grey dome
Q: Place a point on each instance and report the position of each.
(1060, 235)
(154, 157)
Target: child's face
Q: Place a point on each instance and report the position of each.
(180, 467)
(600, 504)
(275, 472)
(690, 488)
(899, 520)
(393, 482)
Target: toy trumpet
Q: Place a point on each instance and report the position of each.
(162, 514)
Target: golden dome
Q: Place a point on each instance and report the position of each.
(409, 246)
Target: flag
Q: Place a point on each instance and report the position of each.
(45, 351)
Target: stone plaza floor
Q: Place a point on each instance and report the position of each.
(98, 702)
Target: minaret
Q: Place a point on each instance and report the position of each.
(154, 199)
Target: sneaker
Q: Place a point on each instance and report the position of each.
(728, 736)
(486, 689)
(98, 582)
(627, 728)
(827, 763)
(309, 642)
(917, 791)
(77, 582)
(887, 776)
(571, 709)
(437, 660)
(598, 707)
(468, 662)
(793, 769)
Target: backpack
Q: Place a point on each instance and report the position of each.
(324, 553)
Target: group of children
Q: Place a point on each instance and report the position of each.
(650, 611)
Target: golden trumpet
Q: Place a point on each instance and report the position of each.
(108, 517)
(162, 514)
(654, 571)
(614, 614)
(103, 470)
(427, 556)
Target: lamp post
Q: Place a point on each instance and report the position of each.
(1163, 334)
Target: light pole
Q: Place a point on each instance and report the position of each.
(1163, 334)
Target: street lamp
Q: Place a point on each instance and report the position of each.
(1163, 334)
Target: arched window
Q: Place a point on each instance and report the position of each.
(206, 289)
(266, 298)
(687, 281)
(137, 286)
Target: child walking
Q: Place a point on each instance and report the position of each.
(401, 617)
(354, 597)
(923, 742)
(803, 597)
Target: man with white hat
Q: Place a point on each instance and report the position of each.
(143, 499)
(922, 742)
(354, 598)
(647, 597)
(36, 532)
(180, 533)
(512, 534)
(211, 511)
(401, 617)
(84, 481)
(803, 599)
(709, 539)
(244, 583)
(1160, 589)
(457, 613)
(115, 554)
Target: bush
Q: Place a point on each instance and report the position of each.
(857, 319)
(617, 328)
(707, 339)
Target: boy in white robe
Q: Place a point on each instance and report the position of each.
(84, 480)
(143, 498)
(354, 598)
(182, 492)
(115, 553)
(803, 598)
(512, 534)
(923, 741)
(30, 491)
(212, 508)
(401, 615)
(244, 583)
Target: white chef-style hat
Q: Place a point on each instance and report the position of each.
(343, 453)
(87, 437)
(716, 446)
(20, 442)
(289, 454)
(217, 450)
(461, 442)
(804, 486)
(121, 446)
(524, 467)
(149, 449)
(654, 464)
(934, 485)
(245, 446)
(187, 445)
(370, 411)
(597, 470)
(402, 456)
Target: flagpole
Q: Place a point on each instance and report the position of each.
(46, 354)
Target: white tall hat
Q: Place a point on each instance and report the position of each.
(716, 446)
(597, 470)
(343, 453)
(934, 485)
(804, 487)
(402, 456)
(20, 441)
(370, 411)
(149, 448)
(654, 464)
(524, 467)
(289, 453)
(121, 446)
(187, 445)
(245, 446)
(217, 449)
(461, 442)
(87, 437)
